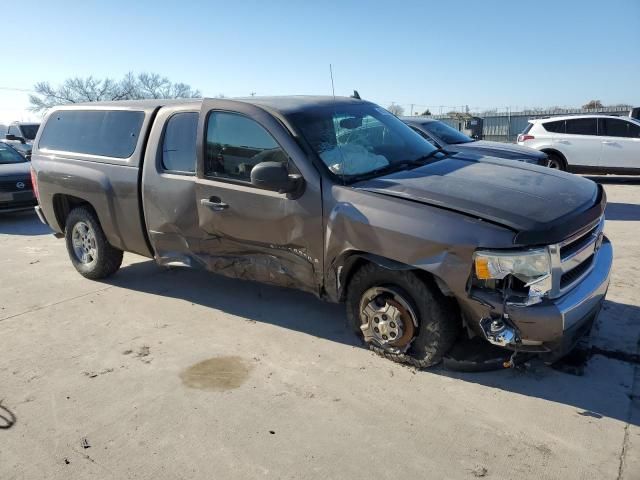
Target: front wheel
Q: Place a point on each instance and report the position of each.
(90, 252)
(400, 317)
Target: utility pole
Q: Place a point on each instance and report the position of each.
(411, 110)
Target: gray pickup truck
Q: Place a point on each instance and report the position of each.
(337, 197)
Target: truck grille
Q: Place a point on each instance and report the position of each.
(573, 259)
(575, 274)
(575, 245)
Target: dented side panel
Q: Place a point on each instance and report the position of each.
(429, 238)
(262, 235)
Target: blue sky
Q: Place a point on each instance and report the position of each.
(483, 54)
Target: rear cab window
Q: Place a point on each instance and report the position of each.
(179, 143)
(106, 133)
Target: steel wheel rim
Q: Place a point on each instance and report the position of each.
(387, 319)
(83, 241)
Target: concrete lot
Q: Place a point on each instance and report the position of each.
(171, 374)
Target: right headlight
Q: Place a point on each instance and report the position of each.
(532, 267)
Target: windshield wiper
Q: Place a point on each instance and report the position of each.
(422, 160)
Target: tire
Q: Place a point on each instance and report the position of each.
(556, 162)
(90, 252)
(437, 319)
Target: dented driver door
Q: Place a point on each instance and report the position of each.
(248, 232)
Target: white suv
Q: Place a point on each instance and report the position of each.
(586, 143)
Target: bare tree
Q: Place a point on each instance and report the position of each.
(592, 104)
(397, 110)
(90, 89)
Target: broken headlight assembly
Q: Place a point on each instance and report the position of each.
(523, 276)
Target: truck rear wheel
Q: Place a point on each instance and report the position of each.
(400, 317)
(88, 248)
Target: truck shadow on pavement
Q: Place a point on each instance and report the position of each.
(603, 390)
(22, 223)
(253, 301)
(623, 211)
(616, 179)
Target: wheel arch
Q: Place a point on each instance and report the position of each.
(63, 204)
(350, 262)
(556, 152)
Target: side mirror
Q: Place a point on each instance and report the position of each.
(275, 176)
(11, 136)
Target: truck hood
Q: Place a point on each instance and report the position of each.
(497, 149)
(520, 196)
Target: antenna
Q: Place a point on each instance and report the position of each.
(333, 90)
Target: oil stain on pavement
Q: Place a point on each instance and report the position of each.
(217, 374)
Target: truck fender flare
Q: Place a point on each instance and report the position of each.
(347, 264)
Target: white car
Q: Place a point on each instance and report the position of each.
(587, 143)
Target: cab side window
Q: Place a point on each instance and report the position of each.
(13, 130)
(235, 144)
(179, 143)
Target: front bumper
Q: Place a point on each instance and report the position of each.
(554, 325)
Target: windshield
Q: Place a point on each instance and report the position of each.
(446, 133)
(356, 140)
(9, 155)
(29, 130)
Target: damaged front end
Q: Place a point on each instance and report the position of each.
(540, 299)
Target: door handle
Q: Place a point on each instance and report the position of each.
(214, 203)
(607, 142)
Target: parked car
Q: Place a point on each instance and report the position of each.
(587, 143)
(448, 138)
(337, 197)
(21, 135)
(16, 192)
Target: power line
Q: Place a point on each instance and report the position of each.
(18, 89)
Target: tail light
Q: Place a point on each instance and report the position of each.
(524, 138)
(34, 183)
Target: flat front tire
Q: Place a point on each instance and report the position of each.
(401, 317)
(90, 252)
